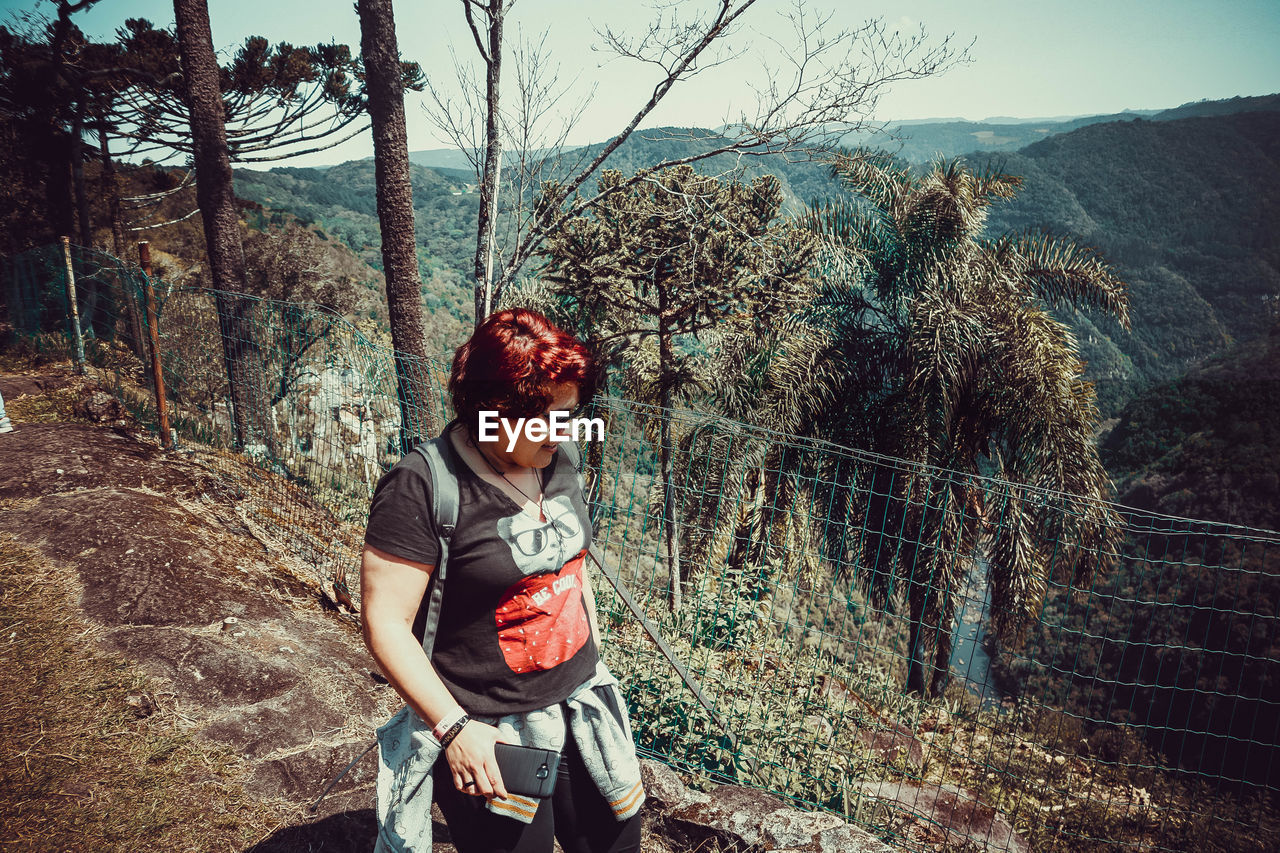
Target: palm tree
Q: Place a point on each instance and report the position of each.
(934, 345)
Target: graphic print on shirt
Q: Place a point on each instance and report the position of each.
(542, 618)
(542, 546)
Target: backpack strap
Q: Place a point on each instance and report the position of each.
(445, 499)
(574, 455)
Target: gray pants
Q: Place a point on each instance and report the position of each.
(5, 424)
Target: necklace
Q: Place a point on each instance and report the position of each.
(542, 516)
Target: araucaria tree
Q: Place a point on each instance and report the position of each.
(215, 196)
(933, 343)
(386, 79)
(672, 254)
(278, 101)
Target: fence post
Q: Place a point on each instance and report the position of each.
(153, 330)
(76, 338)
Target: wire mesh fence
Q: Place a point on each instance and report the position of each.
(1137, 708)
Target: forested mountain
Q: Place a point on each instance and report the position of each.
(920, 141)
(1207, 445)
(341, 200)
(1188, 211)
(1185, 205)
(802, 180)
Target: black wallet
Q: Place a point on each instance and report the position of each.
(526, 770)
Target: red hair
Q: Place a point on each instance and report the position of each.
(512, 361)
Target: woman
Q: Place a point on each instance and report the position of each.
(516, 654)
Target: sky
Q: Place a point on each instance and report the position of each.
(1028, 58)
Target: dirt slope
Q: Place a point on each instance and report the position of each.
(237, 650)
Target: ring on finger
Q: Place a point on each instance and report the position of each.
(470, 784)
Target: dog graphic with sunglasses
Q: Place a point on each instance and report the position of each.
(543, 546)
(542, 619)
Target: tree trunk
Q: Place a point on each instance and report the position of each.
(669, 527)
(385, 91)
(84, 223)
(123, 291)
(92, 287)
(53, 144)
(111, 189)
(57, 180)
(215, 196)
(915, 641)
(487, 222)
(944, 644)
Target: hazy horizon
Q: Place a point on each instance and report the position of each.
(1043, 61)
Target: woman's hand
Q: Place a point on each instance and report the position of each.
(471, 759)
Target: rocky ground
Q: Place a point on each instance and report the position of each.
(232, 646)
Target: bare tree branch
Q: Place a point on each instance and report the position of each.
(162, 224)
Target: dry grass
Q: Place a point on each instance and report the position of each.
(80, 767)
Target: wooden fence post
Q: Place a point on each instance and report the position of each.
(76, 338)
(153, 331)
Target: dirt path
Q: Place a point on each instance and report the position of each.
(237, 650)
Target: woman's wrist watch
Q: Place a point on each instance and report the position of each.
(453, 731)
(447, 721)
(449, 726)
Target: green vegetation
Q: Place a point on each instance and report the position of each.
(1187, 212)
(928, 340)
(929, 343)
(1183, 648)
(1206, 445)
(1182, 207)
(341, 202)
(678, 254)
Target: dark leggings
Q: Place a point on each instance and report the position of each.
(577, 815)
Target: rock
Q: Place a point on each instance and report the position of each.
(303, 775)
(134, 569)
(91, 457)
(100, 407)
(14, 386)
(142, 704)
(202, 670)
(169, 580)
(893, 743)
(276, 725)
(663, 787)
(747, 820)
(952, 816)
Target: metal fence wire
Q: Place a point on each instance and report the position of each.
(1140, 712)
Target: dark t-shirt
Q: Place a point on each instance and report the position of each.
(514, 634)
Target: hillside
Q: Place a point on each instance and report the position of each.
(1185, 205)
(921, 141)
(802, 180)
(174, 678)
(1188, 211)
(342, 200)
(1206, 445)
